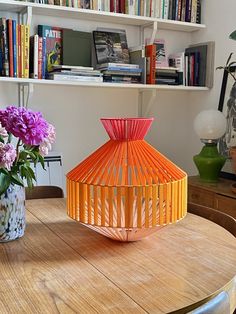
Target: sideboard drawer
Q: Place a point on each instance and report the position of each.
(225, 204)
(200, 196)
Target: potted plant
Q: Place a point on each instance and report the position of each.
(25, 137)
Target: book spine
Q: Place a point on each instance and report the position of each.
(166, 9)
(5, 43)
(10, 47)
(188, 10)
(36, 55)
(22, 28)
(44, 58)
(26, 50)
(117, 7)
(141, 7)
(40, 57)
(183, 13)
(122, 6)
(179, 10)
(162, 6)
(19, 51)
(176, 10)
(173, 9)
(14, 35)
(194, 11)
(112, 6)
(198, 18)
(150, 51)
(170, 9)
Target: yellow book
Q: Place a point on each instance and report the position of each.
(22, 41)
(26, 51)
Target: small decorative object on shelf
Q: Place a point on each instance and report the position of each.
(24, 136)
(126, 189)
(210, 126)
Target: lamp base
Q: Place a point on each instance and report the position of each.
(209, 163)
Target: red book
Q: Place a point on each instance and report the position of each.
(122, 6)
(40, 57)
(112, 6)
(10, 51)
(150, 52)
(117, 6)
(19, 66)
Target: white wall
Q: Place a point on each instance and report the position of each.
(76, 111)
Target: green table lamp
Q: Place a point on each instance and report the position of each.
(210, 126)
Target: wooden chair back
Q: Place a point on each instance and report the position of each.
(220, 218)
(44, 191)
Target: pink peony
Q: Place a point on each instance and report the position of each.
(7, 155)
(27, 125)
(46, 145)
(3, 131)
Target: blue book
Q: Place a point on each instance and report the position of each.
(44, 59)
(14, 48)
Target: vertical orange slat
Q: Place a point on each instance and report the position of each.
(179, 213)
(131, 203)
(103, 209)
(95, 196)
(168, 203)
(154, 205)
(81, 203)
(146, 207)
(118, 207)
(172, 202)
(110, 202)
(161, 192)
(139, 207)
(77, 208)
(89, 204)
(126, 207)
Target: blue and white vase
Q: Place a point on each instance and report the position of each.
(12, 213)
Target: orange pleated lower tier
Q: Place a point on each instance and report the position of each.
(127, 213)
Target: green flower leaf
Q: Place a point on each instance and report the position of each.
(5, 181)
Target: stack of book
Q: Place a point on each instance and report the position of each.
(14, 49)
(168, 76)
(179, 10)
(120, 72)
(75, 73)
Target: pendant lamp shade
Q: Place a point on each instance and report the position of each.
(126, 189)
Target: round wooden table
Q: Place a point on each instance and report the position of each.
(60, 266)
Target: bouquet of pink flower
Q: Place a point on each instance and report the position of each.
(24, 136)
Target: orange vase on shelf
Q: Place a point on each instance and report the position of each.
(126, 189)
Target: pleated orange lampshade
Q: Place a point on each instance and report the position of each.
(126, 189)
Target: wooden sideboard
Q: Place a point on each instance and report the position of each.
(216, 195)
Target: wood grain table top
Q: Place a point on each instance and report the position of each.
(60, 266)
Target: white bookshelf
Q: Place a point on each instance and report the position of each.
(102, 85)
(23, 7)
(99, 16)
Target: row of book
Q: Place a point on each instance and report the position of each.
(14, 49)
(179, 10)
(193, 67)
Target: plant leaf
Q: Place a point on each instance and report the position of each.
(233, 35)
(17, 180)
(230, 56)
(5, 181)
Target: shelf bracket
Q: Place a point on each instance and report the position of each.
(154, 32)
(25, 16)
(25, 93)
(148, 105)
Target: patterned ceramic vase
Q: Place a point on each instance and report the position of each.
(12, 213)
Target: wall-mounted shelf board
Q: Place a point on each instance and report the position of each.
(104, 85)
(99, 16)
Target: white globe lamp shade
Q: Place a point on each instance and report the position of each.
(210, 124)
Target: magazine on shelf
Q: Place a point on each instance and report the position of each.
(111, 47)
